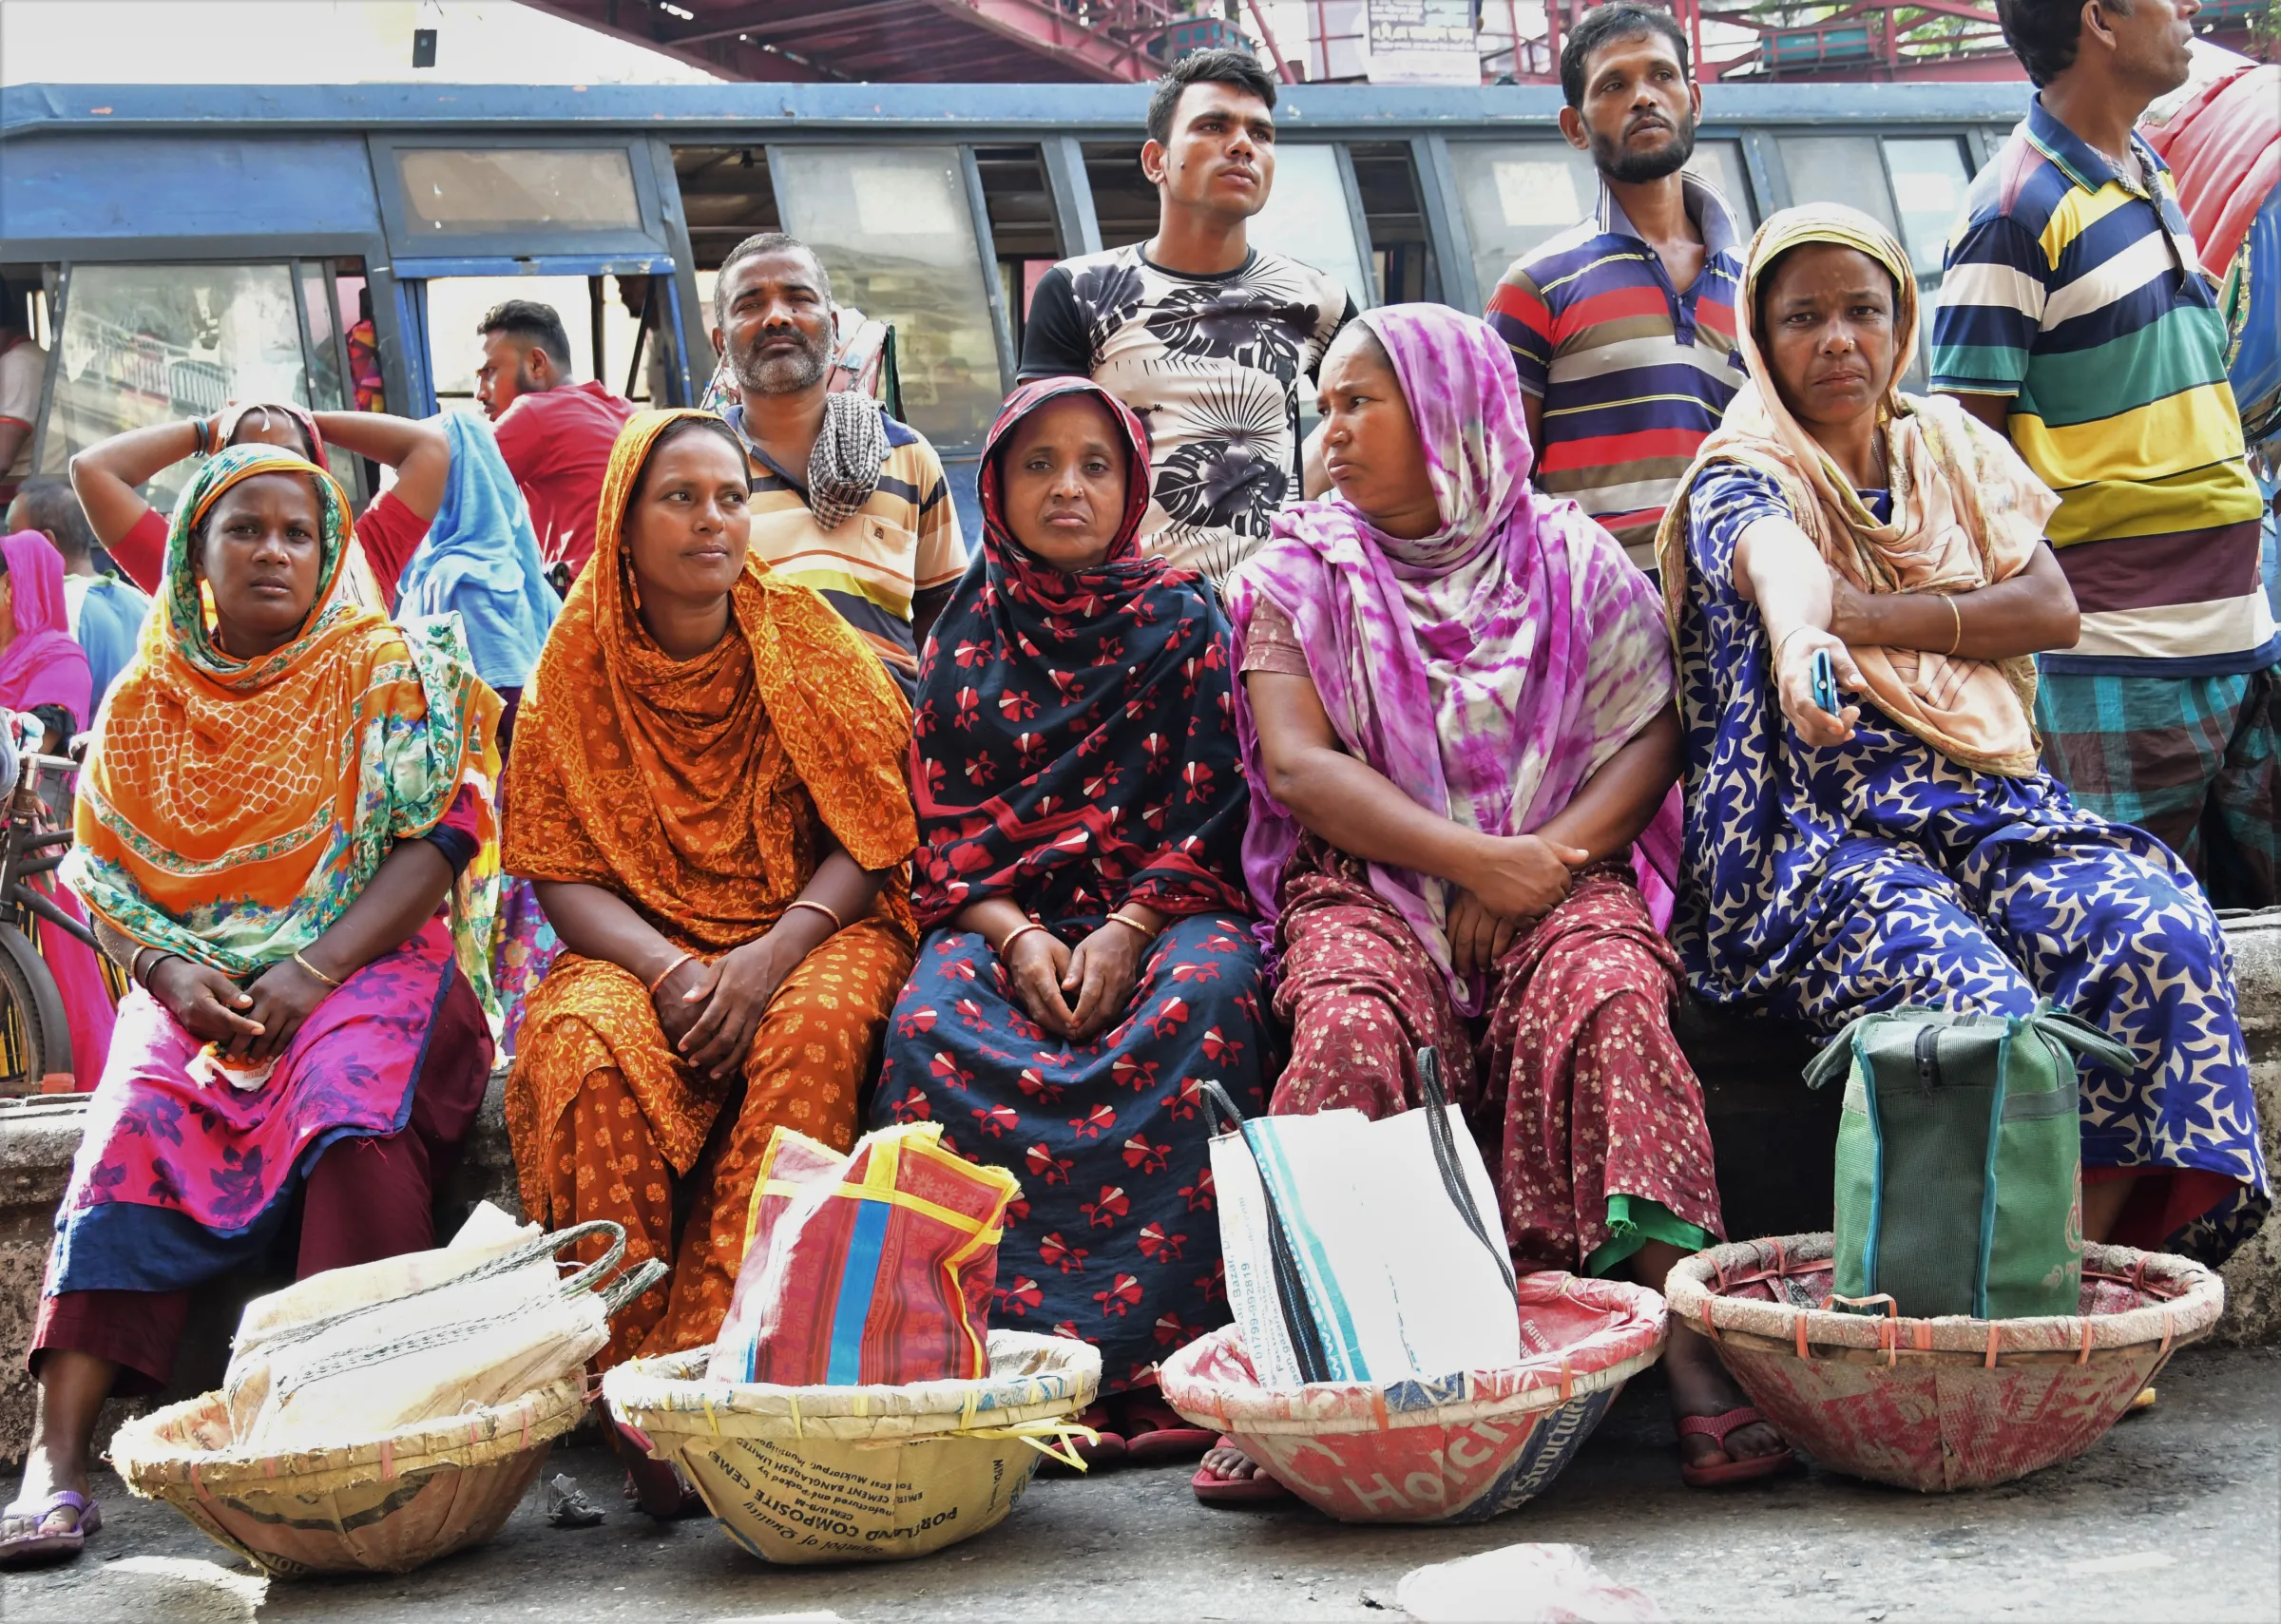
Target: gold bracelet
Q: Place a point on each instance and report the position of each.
(314, 971)
(837, 923)
(1956, 641)
(1121, 917)
(1016, 934)
(677, 963)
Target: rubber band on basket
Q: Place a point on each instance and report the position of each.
(1800, 1320)
(1989, 1362)
(2082, 1354)
(1048, 1438)
(1567, 1379)
(1924, 1335)
(711, 1424)
(388, 1460)
(2169, 1324)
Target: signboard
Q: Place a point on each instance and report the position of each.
(1423, 42)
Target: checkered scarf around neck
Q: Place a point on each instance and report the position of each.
(1488, 669)
(1966, 512)
(232, 810)
(843, 469)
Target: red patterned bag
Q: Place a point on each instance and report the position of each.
(876, 1266)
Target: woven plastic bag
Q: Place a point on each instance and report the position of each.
(876, 1266)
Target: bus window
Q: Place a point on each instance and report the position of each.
(1307, 220)
(1123, 201)
(144, 343)
(726, 197)
(457, 304)
(1839, 169)
(1516, 195)
(491, 191)
(1930, 182)
(1720, 162)
(894, 232)
(1022, 231)
(1402, 268)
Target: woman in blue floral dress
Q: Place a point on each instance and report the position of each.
(1908, 849)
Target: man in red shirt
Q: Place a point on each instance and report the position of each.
(555, 436)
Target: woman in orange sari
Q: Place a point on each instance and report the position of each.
(707, 792)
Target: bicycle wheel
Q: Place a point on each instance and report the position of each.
(33, 1039)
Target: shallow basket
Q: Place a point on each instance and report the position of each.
(859, 1473)
(388, 1504)
(1458, 1448)
(1952, 1403)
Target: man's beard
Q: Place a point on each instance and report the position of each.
(1631, 168)
(782, 375)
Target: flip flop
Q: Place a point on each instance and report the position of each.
(1260, 1488)
(34, 1547)
(1108, 1452)
(657, 1486)
(1747, 1469)
(1155, 1433)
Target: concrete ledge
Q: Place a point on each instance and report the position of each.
(1772, 1136)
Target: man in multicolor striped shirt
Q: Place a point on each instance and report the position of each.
(2075, 317)
(1623, 374)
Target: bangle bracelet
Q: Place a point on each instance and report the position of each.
(1016, 934)
(837, 923)
(205, 436)
(314, 971)
(1956, 641)
(1786, 636)
(1121, 917)
(680, 959)
(140, 972)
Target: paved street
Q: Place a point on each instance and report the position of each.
(2175, 1516)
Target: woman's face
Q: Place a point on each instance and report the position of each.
(1828, 334)
(263, 557)
(1062, 480)
(688, 523)
(1371, 447)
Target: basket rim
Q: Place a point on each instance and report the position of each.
(2199, 1301)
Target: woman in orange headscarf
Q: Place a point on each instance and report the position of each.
(707, 791)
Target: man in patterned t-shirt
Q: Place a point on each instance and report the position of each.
(1201, 334)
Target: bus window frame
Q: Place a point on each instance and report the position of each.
(651, 236)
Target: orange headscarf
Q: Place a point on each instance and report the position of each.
(693, 788)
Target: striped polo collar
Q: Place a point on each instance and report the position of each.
(1705, 207)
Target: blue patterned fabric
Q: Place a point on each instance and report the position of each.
(1115, 1240)
(1819, 884)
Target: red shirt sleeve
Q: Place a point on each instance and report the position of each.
(391, 532)
(142, 552)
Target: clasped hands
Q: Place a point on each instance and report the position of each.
(1513, 882)
(710, 1011)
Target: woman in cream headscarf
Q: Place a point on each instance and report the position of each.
(1907, 849)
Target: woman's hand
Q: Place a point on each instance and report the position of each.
(1520, 877)
(1478, 938)
(282, 997)
(731, 996)
(676, 1013)
(1793, 682)
(1035, 963)
(206, 1002)
(1102, 972)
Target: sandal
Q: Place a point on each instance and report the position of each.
(1260, 1488)
(1155, 1432)
(1748, 1469)
(657, 1486)
(1108, 1452)
(38, 1545)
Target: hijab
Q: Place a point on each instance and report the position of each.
(1074, 743)
(44, 664)
(1488, 669)
(1966, 510)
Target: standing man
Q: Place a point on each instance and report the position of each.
(23, 370)
(1201, 334)
(2075, 317)
(555, 436)
(845, 499)
(1623, 327)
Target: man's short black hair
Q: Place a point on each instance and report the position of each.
(2045, 33)
(1603, 24)
(766, 243)
(48, 506)
(1225, 65)
(531, 324)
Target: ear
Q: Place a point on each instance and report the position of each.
(720, 346)
(1695, 99)
(1153, 158)
(1572, 128)
(2096, 25)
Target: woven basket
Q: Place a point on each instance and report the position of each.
(1940, 1403)
(859, 1473)
(389, 1505)
(1457, 1448)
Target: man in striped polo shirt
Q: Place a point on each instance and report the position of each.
(2075, 317)
(1623, 327)
(846, 500)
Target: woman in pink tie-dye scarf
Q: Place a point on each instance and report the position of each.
(1457, 720)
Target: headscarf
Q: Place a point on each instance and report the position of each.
(232, 810)
(693, 788)
(1486, 670)
(357, 582)
(480, 560)
(1073, 747)
(44, 666)
(1966, 512)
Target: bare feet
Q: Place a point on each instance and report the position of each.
(1700, 1387)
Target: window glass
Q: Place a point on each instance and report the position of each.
(1720, 162)
(457, 304)
(896, 236)
(1839, 169)
(1306, 220)
(1930, 182)
(487, 191)
(144, 343)
(1516, 195)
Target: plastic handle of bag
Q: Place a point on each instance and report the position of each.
(635, 1281)
(1453, 1174)
(2071, 1031)
(1221, 1115)
(1224, 1119)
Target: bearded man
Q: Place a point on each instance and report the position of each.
(1623, 327)
(846, 500)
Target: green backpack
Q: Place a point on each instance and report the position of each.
(1959, 1160)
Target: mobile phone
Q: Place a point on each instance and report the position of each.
(1823, 676)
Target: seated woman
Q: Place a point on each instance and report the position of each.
(707, 792)
(1907, 849)
(1458, 708)
(1089, 963)
(273, 825)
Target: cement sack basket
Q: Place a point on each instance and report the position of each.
(1952, 1403)
(854, 1474)
(1457, 1448)
(388, 1504)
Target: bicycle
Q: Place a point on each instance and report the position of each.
(35, 1039)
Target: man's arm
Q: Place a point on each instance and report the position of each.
(421, 452)
(1054, 341)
